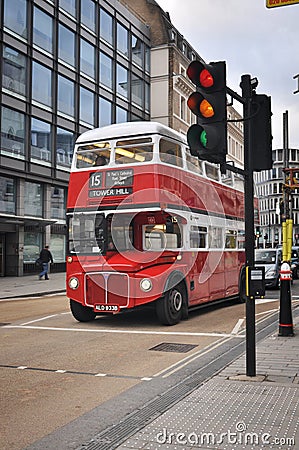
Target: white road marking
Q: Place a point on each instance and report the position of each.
(117, 331)
(40, 319)
(266, 312)
(237, 327)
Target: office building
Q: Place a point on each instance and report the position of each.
(67, 66)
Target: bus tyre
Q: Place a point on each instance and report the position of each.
(81, 313)
(169, 308)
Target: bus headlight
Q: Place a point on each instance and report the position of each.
(146, 284)
(73, 283)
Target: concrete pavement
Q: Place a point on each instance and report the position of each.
(26, 286)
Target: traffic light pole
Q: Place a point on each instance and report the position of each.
(247, 87)
(285, 310)
(207, 140)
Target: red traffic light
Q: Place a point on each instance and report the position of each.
(207, 76)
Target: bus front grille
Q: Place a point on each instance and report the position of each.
(111, 288)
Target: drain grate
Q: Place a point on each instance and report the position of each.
(173, 347)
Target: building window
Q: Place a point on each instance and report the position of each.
(57, 247)
(32, 246)
(137, 90)
(33, 199)
(122, 81)
(147, 58)
(69, 6)
(12, 133)
(86, 106)
(57, 203)
(14, 73)
(65, 141)
(147, 96)
(88, 14)
(66, 96)
(87, 65)
(106, 26)
(106, 77)
(42, 30)
(121, 115)
(66, 45)
(41, 84)
(40, 141)
(183, 108)
(137, 51)
(15, 16)
(122, 39)
(7, 195)
(105, 112)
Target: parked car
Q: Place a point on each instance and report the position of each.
(270, 258)
(295, 263)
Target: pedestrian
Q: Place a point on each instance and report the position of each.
(45, 257)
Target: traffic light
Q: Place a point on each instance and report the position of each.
(257, 232)
(261, 133)
(208, 137)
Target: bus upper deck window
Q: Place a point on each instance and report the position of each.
(193, 163)
(133, 151)
(97, 154)
(170, 152)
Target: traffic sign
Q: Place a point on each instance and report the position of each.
(275, 3)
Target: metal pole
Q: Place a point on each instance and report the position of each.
(285, 310)
(246, 86)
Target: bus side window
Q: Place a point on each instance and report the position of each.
(198, 236)
(159, 237)
(193, 163)
(216, 237)
(154, 240)
(230, 239)
(170, 153)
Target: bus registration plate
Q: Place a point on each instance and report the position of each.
(107, 308)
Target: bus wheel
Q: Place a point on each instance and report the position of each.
(81, 313)
(169, 308)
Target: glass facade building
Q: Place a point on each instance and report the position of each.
(67, 66)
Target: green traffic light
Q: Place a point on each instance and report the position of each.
(203, 138)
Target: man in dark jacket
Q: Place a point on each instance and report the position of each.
(45, 257)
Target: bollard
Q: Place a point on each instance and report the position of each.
(285, 312)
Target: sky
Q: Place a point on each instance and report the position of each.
(252, 39)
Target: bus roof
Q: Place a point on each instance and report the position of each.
(126, 129)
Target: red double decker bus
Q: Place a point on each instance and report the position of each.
(149, 223)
